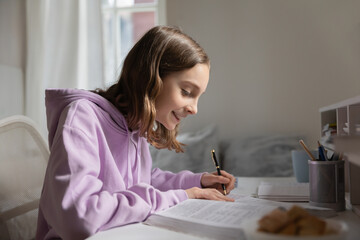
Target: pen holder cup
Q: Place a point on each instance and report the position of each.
(327, 184)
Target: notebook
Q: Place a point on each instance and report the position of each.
(284, 191)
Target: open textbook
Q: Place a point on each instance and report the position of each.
(218, 220)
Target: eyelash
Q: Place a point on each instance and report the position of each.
(185, 93)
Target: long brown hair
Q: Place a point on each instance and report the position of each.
(161, 51)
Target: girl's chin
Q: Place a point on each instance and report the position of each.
(170, 126)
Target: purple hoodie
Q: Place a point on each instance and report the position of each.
(99, 174)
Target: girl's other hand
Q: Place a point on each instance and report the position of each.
(207, 193)
(213, 180)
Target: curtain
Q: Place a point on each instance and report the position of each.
(64, 50)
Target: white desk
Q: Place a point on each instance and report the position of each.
(246, 186)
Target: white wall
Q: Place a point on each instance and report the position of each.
(12, 57)
(274, 62)
(12, 33)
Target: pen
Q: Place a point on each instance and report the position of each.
(322, 152)
(307, 150)
(217, 168)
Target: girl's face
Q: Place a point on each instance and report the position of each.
(180, 95)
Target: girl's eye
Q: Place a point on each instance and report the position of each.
(185, 93)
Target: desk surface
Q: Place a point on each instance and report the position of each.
(246, 186)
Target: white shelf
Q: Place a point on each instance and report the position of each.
(344, 103)
(344, 117)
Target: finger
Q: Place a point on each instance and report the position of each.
(221, 179)
(219, 188)
(222, 197)
(213, 194)
(228, 199)
(218, 185)
(214, 181)
(226, 174)
(231, 184)
(233, 181)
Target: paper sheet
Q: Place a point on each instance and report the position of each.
(221, 214)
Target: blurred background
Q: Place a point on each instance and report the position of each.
(274, 63)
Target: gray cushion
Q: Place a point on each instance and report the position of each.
(263, 156)
(197, 155)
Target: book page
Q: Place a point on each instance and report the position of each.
(216, 219)
(230, 214)
(220, 214)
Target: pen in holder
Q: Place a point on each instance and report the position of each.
(327, 184)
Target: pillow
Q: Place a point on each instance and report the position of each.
(197, 152)
(262, 156)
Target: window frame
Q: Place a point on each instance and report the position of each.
(159, 8)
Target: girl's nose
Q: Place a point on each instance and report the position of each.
(192, 108)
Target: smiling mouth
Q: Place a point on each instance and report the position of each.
(176, 117)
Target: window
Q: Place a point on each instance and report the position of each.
(124, 22)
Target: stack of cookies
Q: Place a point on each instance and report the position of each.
(295, 221)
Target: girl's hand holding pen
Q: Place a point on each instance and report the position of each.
(212, 189)
(213, 180)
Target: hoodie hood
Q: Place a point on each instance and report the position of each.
(57, 99)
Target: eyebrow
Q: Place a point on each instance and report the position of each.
(192, 84)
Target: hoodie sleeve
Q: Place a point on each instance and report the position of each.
(165, 180)
(74, 202)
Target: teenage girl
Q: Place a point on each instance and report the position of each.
(99, 174)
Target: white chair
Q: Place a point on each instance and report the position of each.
(23, 159)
